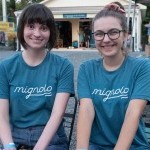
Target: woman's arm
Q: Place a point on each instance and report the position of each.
(5, 131)
(55, 119)
(84, 124)
(130, 125)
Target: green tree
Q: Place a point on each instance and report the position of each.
(11, 6)
(35, 1)
(148, 12)
(10, 10)
(0, 10)
(23, 3)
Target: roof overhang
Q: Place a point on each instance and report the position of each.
(77, 7)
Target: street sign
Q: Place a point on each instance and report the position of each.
(7, 26)
(80, 15)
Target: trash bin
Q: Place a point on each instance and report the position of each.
(75, 44)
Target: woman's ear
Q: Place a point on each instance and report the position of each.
(126, 36)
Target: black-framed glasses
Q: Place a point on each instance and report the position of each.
(113, 34)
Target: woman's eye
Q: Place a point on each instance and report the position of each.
(99, 34)
(44, 28)
(31, 26)
(113, 32)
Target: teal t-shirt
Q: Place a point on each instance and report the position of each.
(31, 90)
(111, 92)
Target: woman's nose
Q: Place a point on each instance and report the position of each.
(106, 38)
(37, 32)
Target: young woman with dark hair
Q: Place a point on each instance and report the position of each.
(35, 86)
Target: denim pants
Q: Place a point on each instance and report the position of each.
(29, 136)
(95, 147)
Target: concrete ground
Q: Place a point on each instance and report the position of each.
(76, 56)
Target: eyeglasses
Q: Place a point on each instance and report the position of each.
(113, 34)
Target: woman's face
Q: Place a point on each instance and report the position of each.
(36, 36)
(109, 44)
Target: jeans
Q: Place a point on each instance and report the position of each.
(29, 136)
(95, 147)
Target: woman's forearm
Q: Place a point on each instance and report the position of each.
(130, 125)
(84, 124)
(5, 132)
(127, 133)
(54, 121)
(48, 132)
(83, 130)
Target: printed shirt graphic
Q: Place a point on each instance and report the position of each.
(111, 92)
(32, 90)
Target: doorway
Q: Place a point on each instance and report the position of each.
(64, 34)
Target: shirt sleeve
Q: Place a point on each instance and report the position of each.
(66, 78)
(142, 84)
(4, 82)
(83, 88)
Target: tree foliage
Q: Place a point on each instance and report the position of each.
(23, 3)
(0, 10)
(13, 6)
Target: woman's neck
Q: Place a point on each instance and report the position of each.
(33, 58)
(113, 63)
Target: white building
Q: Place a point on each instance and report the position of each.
(71, 15)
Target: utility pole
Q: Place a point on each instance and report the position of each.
(4, 8)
